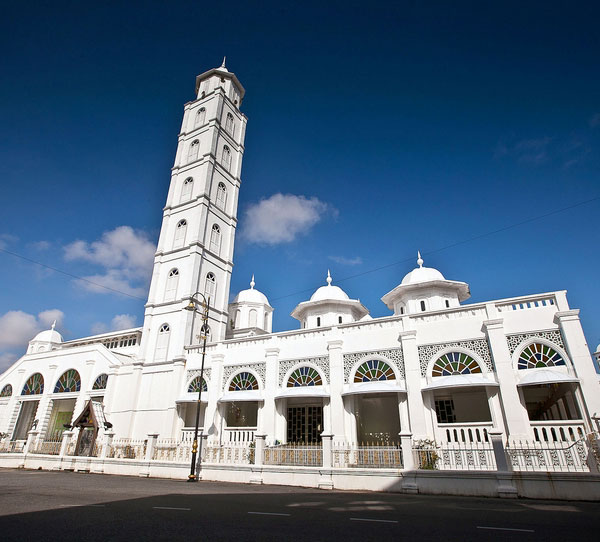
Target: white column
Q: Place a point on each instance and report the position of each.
(412, 369)
(212, 413)
(336, 385)
(271, 385)
(177, 389)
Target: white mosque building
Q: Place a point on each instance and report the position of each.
(435, 367)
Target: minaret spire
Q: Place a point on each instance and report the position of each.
(419, 259)
(224, 60)
(252, 283)
(53, 325)
(329, 279)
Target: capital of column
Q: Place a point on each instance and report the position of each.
(273, 351)
(218, 358)
(90, 362)
(335, 344)
(566, 316)
(497, 323)
(53, 366)
(409, 334)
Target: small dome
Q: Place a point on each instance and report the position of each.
(421, 274)
(329, 292)
(251, 295)
(598, 348)
(49, 336)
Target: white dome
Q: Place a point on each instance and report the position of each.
(49, 336)
(329, 292)
(251, 295)
(422, 274)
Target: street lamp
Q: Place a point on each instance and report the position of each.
(205, 304)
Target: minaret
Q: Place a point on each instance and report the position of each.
(195, 247)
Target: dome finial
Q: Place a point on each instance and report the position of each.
(252, 283)
(329, 279)
(223, 64)
(419, 259)
(53, 325)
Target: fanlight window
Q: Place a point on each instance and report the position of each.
(243, 381)
(226, 158)
(186, 189)
(215, 238)
(193, 150)
(6, 391)
(538, 355)
(180, 230)
(455, 363)
(210, 286)
(221, 196)
(69, 381)
(373, 370)
(34, 385)
(100, 382)
(304, 376)
(229, 124)
(194, 386)
(200, 115)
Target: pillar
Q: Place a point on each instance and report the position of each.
(412, 369)
(336, 385)
(506, 488)
(271, 385)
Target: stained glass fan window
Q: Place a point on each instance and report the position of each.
(6, 391)
(455, 363)
(373, 370)
(538, 355)
(304, 376)
(194, 386)
(69, 381)
(243, 381)
(34, 385)
(100, 382)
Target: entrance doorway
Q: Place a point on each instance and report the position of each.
(377, 419)
(25, 420)
(304, 424)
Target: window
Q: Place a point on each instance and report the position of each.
(238, 319)
(229, 126)
(339, 319)
(243, 381)
(215, 239)
(318, 321)
(100, 382)
(210, 287)
(69, 381)
(241, 414)
(401, 309)
(226, 158)
(200, 116)
(194, 386)
(423, 306)
(447, 303)
(34, 385)
(193, 151)
(444, 409)
(304, 376)
(221, 196)
(6, 391)
(252, 318)
(172, 281)
(539, 355)
(373, 370)
(186, 189)
(180, 230)
(455, 363)
(162, 342)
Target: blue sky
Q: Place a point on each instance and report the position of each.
(414, 126)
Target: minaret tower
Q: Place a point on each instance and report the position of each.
(195, 247)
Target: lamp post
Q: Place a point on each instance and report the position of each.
(205, 304)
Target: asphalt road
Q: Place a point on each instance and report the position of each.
(37, 505)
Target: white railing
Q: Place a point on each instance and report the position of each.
(532, 304)
(171, 450)
(378, 457)
(47, 446)
(238, 434)
(455, 456)
(127, 449)
(550, 456)
(465, 432)
(12, 446)
(233, 453)
(558, 431)
(187, 435)
(447, 314)
(294, 455)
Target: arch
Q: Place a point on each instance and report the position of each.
(226, 158)
(162, 342)
(244, 380)
(172, 282)
(34, 385)
(69, 381)
(304, 376)
(180, 231)
(200, 116)
(373, 370)
(6, 391)
(455, 363)
(210, 286)
(215, 239)
(100, 382)
(238, 319)
(229, 125)
(252, 318)
(186, 189)
(193, 150)
(194, 385)
(538, 355)
(221, 196)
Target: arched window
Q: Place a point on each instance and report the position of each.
(252, 317)
(229, 126)
(226, 158)
(455, 363)
(215, 239)
(193, 150)
(69, 381)
(423, 308)
(304, 376)
(238, 319)
(194, 386)
(401, 309)
(539, 355)
(373, 370)
(210, 286)
(186, 189)
(318, 321)
(447, 303)
(172, 282)
(200, 116)
(339, 319)
(243, 381)
(6, 391)
(34, 385)
(100, 382)
(162, 342)
(180, 230)
(221, 196)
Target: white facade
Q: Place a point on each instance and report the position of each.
(435, 368)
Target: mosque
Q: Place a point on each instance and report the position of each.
(436, 367)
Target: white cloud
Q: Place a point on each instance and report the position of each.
(119, 322)
(98, 328)
(126, 256)
(357, 260)
(281, 218)
(6, 239)
(6, 360)
(40, 245)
